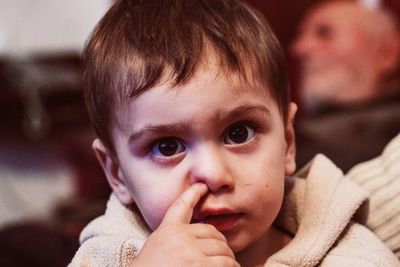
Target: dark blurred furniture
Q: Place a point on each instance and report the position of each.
(41, 107)
(35, 245)
(40, 95)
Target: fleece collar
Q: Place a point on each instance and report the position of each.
(319, 203)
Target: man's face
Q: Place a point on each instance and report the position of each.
(214, 130)
(337, 54)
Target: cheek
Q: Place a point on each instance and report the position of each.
(268, 203)
(154, 196)
(346, 52)
(332, 51)
(263, 205)
(153, 190)
(153, 205)
(269, 193)
(271, 182)
(266, 180)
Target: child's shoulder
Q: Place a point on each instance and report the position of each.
(319, 210)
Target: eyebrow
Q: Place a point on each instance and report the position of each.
(240, 111)
(187, 126)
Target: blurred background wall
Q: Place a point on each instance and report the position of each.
(46, 26)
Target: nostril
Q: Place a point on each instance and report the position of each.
(221, 189)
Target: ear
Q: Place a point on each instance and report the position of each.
(113, 172)
(290, 153)
(389, 53)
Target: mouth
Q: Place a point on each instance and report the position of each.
(223, 222)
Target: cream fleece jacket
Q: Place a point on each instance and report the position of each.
(323, 213)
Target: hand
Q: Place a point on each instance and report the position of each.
(176, 242)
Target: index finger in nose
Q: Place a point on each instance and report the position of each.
(182, 209)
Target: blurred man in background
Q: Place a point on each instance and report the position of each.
(349, 82)
(350, 93)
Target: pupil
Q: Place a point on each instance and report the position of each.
(239, 134)
(168, 147)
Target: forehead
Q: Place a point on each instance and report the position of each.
(211, 71)
(209, 91)
(208, 82)
(336, 14)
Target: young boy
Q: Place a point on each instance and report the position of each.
(191, 104)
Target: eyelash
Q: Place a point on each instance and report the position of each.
(247, 123)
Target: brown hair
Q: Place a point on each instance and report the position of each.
(138, 41)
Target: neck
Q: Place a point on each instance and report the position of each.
(257, 253)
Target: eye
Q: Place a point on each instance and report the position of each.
(167, 147)
(238, 134)
(324, 32)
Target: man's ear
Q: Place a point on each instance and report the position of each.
(113, 172)
(290, 138)
(389, 53)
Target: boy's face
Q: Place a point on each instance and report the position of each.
(213, 130)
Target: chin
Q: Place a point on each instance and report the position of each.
(237, 247)
(238, 243)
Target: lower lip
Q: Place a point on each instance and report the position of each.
(223, 222)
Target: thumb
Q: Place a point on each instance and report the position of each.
(182, 209)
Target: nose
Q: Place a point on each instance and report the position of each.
(302, 46)
(210, 165)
